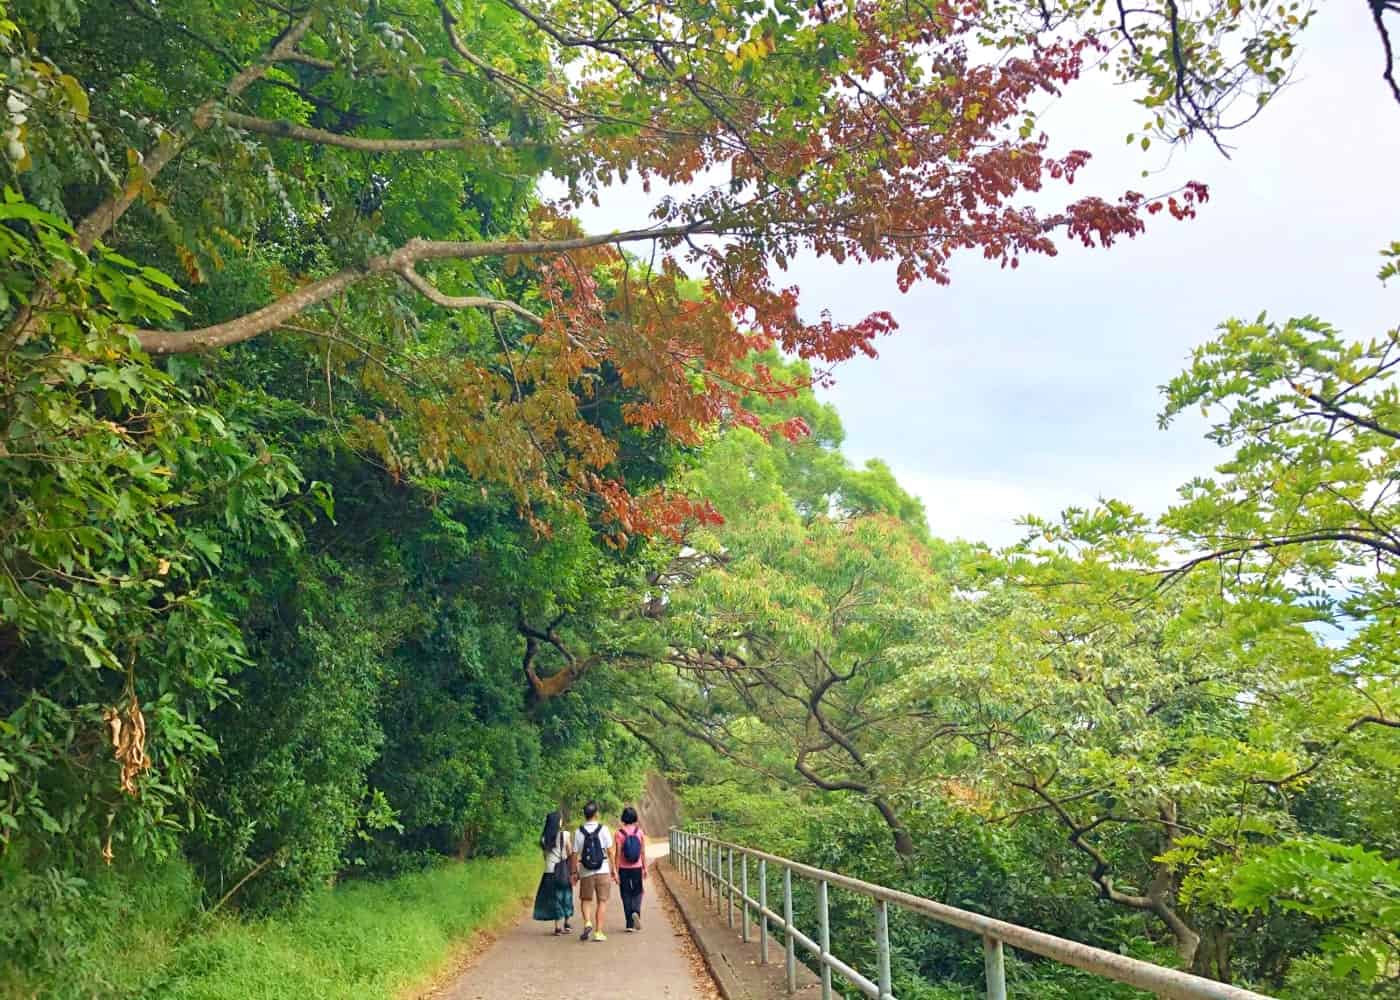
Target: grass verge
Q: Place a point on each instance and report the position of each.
(370, 939)
(361, 940)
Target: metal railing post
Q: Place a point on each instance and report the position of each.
(729, 884)
(744, 896)
(788, 942)
(704, 870)
(717, 877)
(762, 912)
(882, 947)
(710, 874)
(996, 968)
(824, 938)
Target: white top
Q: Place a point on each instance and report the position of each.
(558, 853)
(604, 836)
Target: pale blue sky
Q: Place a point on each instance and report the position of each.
(1013, 392)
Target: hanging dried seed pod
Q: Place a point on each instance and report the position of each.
(127, 728)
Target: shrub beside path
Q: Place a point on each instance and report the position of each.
(527, 962)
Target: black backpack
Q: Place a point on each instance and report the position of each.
(632, 847)
(592, 856)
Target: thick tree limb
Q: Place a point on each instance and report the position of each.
(270, 317)
(1154, 900)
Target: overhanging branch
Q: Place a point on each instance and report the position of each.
(268, 318)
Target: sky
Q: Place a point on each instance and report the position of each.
(1015, 392)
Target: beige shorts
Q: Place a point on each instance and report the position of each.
(597, 887)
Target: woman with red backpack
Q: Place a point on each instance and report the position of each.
(631, 852)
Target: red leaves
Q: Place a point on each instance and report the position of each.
(1192, 194)
(901, 147)
(660, 513)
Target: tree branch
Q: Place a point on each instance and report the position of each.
(323, 137)
(431, 292)
(1378, 12)
(268, 318)
(1333, 408)
(100, 220)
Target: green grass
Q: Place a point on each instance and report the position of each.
(370, 939)
(361, 940)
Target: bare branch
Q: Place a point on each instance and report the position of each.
(430, 291)
(1379, 8)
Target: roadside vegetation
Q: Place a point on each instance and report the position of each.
(357, 508)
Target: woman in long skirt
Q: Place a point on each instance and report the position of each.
(554, 899)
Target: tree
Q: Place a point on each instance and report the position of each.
(777, 653)
(787, 649)
(865, 131)
(1305, 509)
(122, 487)
(1129, 721)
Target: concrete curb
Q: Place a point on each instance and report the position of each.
(733, 965)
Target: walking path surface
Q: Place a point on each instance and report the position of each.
(527, 962)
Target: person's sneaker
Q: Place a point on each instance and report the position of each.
(587, 930)
(600, 936)
(637, 922)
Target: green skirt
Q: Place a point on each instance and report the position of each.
(552, 901)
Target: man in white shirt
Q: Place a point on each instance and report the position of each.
(594, 865)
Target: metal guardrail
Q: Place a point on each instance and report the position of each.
(702, 860)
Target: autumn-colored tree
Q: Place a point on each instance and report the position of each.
(866, 130)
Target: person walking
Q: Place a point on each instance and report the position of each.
(594, 864)
(554, 899)
(630, 849)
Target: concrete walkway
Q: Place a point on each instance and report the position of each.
(527, 962)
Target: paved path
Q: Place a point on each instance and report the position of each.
(527, 962)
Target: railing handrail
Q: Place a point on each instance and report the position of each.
(1165, 982)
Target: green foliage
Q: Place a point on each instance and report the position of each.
(1305, 509)
(285, 795)
(1353, 892)
(108, 933)
(370, 939)
(138, 932)
(120, 489)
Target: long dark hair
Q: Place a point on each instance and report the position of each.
(550, 835)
